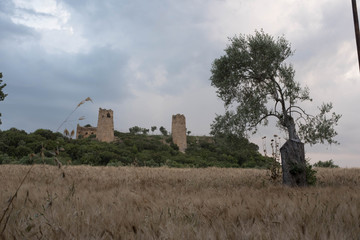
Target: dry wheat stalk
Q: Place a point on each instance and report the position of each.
(67, 118)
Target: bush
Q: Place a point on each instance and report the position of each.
(310, 175)
(130, 148)
(5, 159)
(22, 151)
(326, 164)
(47, 134)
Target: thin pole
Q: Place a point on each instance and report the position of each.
(356, 26)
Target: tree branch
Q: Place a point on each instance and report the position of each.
(282, 100)
(302, 110)
(300, 115)
(264, 117)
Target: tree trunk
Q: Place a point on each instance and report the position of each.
(293, 163)
(290, 124)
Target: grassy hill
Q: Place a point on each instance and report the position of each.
(44, 146)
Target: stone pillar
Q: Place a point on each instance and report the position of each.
(293, 163)
(178, 131)
(105, 127)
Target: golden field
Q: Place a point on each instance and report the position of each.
(83, 202)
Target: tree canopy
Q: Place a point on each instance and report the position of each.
(2, 94)
(255, 83)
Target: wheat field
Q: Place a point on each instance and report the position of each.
(84, 202)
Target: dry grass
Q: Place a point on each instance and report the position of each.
(82, 202)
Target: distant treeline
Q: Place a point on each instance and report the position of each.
(45, 146)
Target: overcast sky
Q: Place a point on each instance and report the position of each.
(148, 60)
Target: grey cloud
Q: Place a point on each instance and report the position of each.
(329, 35)
(10, 31)
(156, 33)
(50, 85)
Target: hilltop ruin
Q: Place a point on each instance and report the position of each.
(105, 127)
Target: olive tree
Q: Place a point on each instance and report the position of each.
(256, 83)
(2, 94)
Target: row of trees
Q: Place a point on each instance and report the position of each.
(137, 130)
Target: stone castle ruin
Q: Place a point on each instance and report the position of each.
(178, 130)
(105, 127)
(85, 132)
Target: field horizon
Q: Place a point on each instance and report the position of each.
(84, 202)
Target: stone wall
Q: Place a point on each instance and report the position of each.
(178, 131)
(85, 132)
(105, 126)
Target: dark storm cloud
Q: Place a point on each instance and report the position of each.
(47, 86)
(156, 33)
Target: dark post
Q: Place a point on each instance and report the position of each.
(356, 26)
(293, 163)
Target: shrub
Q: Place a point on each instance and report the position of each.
(326, 164)
(5, 159)
(310, 175)
(22, 151)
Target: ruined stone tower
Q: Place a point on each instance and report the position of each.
(85, 132)
(178, 130)
(105, 126)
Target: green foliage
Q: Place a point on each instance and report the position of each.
(310, 175)
(2, 94)
(256, 83)
(326, 164)
(227, 151)
(137, 130)
(145, 131)
(163, 131)
(48, 134)
(153, 128)
(16, 146)
(320, 128)
(22, 151)
(6, 159)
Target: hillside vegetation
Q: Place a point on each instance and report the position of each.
(44, 146)
(84, 202)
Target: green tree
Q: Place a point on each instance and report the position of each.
(145, 131)
(153, 128)
(163, 131)
(326, 164)
(135, 130)
(256, 83)
(2, 94)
